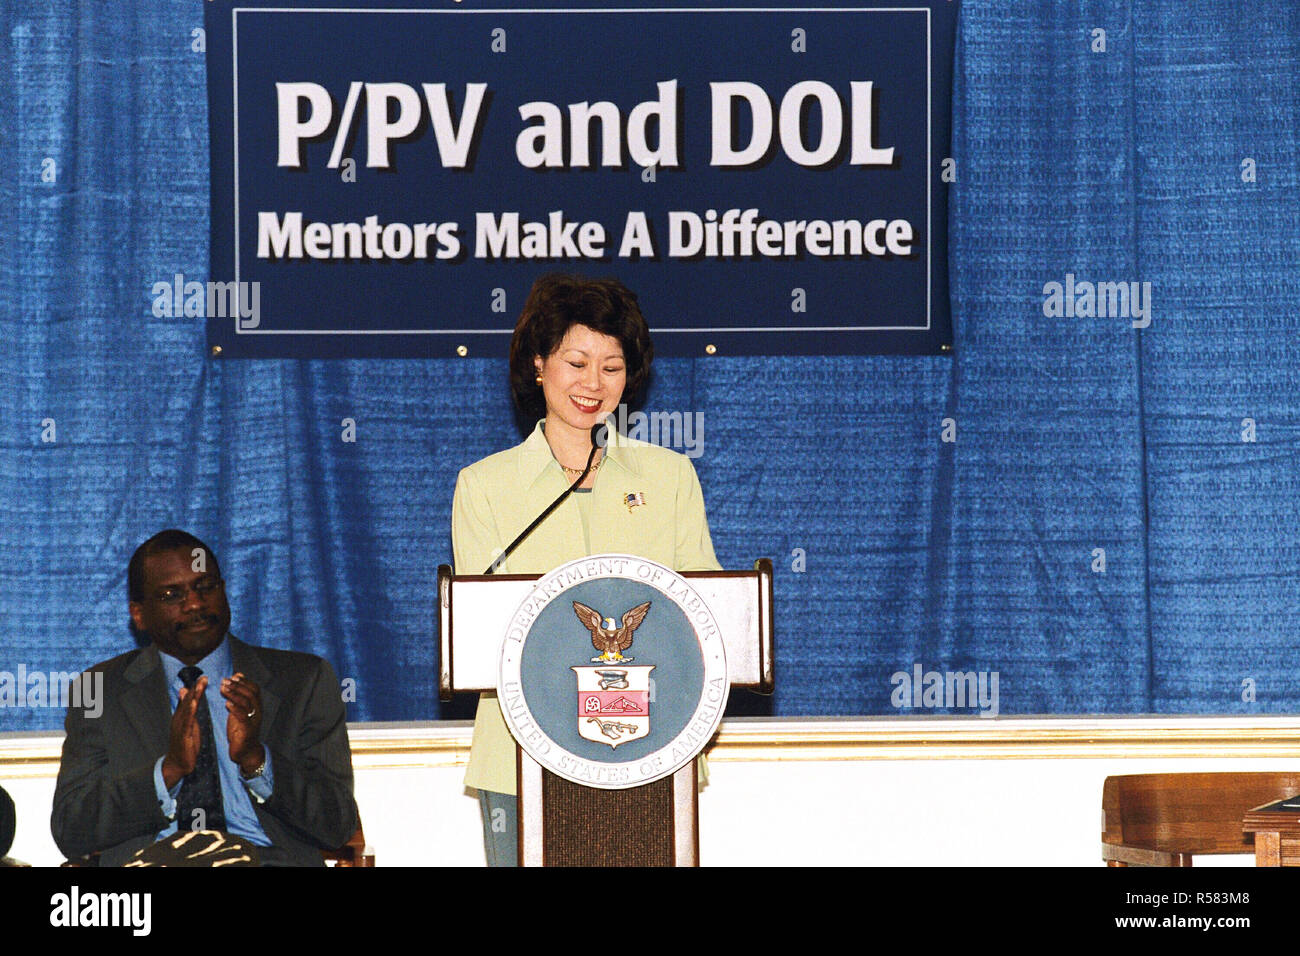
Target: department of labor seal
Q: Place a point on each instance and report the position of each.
(618, 724)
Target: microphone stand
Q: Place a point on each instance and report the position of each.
(596, 442)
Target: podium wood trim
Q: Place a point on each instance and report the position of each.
(686, 815)
(532, 828)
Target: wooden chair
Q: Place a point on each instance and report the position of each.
(1162, 819)
(353, 853)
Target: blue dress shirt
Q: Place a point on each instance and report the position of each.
(237, 794)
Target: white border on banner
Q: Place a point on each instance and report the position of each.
(929, 178)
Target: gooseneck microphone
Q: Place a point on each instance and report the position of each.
(599, 436)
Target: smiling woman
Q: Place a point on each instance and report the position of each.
(580, 349)
(582, 381)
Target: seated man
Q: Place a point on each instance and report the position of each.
(201, 731)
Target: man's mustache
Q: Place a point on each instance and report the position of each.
(208, 619)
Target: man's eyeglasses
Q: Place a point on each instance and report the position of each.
(202, 588)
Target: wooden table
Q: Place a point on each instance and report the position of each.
(1277, 835)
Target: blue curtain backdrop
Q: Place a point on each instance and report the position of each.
(1073, 434)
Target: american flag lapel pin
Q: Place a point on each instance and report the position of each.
(634, 498)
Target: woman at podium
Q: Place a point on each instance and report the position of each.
(581, 347)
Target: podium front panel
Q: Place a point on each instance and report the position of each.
(562, 823)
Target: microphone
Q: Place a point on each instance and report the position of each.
(599, 438)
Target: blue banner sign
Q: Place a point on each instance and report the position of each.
(388, 181)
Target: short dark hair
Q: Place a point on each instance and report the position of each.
(558, 302)
(169, 540)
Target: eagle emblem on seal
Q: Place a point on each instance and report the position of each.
(607, 635)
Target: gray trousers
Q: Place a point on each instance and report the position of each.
(500, 813)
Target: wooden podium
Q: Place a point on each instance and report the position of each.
(562, 823)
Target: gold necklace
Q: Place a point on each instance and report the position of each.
(575, 472)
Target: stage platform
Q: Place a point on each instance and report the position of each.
(860, 791)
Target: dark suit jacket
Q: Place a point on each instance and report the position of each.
(105, 799)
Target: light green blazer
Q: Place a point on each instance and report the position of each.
(499, 496)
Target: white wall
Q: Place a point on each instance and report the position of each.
(845, 792)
